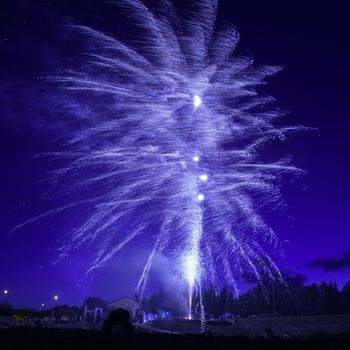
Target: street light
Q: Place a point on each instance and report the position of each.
(5, 292)
(54, 298)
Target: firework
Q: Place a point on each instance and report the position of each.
(168, 146)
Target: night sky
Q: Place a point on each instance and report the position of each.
(309, 38)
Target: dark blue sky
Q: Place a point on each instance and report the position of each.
(310, 38)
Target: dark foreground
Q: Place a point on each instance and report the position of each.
(52, 339)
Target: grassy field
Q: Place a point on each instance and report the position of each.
(60, 339)
(279, 326)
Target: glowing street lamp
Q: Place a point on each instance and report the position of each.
(5, 292)
(54, 298)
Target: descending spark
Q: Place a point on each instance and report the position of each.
(203, 177)
(200, 197)
(155, 117)
(197, 101)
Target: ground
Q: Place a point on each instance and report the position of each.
(313, 332)
(61, 339)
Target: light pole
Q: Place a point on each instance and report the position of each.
(5, 301)
(5, 294)
(54, 299)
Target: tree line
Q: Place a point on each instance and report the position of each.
(73, 313)
(290, 298)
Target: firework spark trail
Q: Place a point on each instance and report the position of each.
(171, 140)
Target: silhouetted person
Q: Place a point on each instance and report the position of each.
(119, 318)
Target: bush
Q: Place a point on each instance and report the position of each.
(120, 319)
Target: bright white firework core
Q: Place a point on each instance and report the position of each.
(195, 159)
(190, 269)
(200, 197)
(197, 101)
(203, 177)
